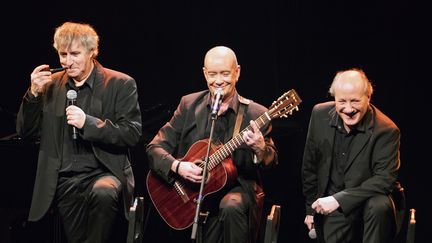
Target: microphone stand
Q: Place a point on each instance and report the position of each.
(206, 160)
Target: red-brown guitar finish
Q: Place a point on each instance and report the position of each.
(177, 203)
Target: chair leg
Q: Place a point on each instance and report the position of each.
(411, 227)
(136, 215)
(272, 225)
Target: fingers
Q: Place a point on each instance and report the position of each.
(309, 221)
(39, 78)
(252, 135)
(254, 127)
(190, 171)
(193, 178)
(319, 208)
(75, 116)
(40, 71)
(40, 68)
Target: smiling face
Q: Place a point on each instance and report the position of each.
(350, 91)
(221, 70)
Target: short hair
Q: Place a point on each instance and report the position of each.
(68, 32)
(368, 84)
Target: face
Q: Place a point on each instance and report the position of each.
(351, 99)
(221, 71)
(77, 59)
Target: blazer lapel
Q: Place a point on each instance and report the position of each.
(59, 102)
(329, 135)
(360, 140)
(201, 115)
(98, 89)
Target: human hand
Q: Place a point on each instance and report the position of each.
(254, 139)
(325, 205)
(190, 171)
(39, 78)
(75, 116)
(309, 221)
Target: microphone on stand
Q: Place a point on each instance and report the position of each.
(71, 96)
(214, 112)
(216, 103)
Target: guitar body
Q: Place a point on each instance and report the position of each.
(176, 203)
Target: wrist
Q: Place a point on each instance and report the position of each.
(177, 167)
(33, 91)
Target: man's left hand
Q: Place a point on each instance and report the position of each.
(325, 205)
(254, 138)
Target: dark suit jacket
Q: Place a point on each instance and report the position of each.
(372, 167)
(188, 126)
(112, 125)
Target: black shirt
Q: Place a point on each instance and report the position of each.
(341, 150)
(224, 124)
(78, 154)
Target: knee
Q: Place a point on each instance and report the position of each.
(378, 207)
(103, 194)
(231, 206)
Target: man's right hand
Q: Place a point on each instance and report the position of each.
(39, 78)
(309, 221)
(189, 171)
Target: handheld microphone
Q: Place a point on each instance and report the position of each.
(312, 233)
(71, 96)
(217, 101)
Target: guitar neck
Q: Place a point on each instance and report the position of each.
(228, 148)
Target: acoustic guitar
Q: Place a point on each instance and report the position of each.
(176, 203)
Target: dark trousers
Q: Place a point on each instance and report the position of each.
(231, 222)
(374, 222)
(88, 205)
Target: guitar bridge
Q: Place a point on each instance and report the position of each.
(179, 188)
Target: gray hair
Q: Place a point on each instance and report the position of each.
(70, 31)
(368, 89)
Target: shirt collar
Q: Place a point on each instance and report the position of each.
(337, 122)
(233, 104)
(89, 82)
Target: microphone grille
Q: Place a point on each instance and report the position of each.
(71, 94)
(312, 234)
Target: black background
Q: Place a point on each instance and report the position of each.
(280, 45)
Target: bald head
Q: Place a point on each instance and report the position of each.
(220, 53)
(221, 70)
(353, 78)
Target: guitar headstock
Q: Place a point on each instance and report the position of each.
(284, 105)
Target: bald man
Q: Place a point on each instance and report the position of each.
(235, 209)
(350, 165)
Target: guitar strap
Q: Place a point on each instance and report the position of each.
(242, 107)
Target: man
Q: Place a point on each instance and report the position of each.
(89, 179)
(350, 165)
(235, 214)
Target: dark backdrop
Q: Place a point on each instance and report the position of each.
(280, 45)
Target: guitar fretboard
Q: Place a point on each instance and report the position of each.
(234, 143)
